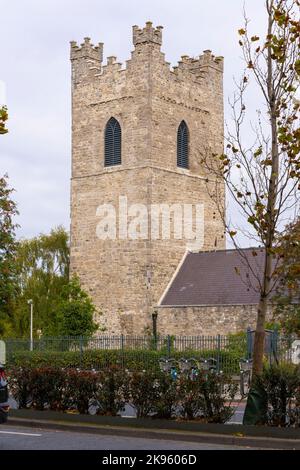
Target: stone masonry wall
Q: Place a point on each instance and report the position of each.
(125, 277)
(207, 320)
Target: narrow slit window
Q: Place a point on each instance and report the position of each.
(112, 143)
(183, 146)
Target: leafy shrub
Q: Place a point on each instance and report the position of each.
(80, 390)
(189, 395)
(75, 311)
(88, 359)
(151, 393)
(281, 385)
(51, 387)
(205, 397)
(143, 392)
(137, 360)
(295, 411)
(47, 385)
(237, 345)
(218, 391)
(111, 391)
(20, 385)
(166, 398)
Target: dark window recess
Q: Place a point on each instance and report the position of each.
(112, 143)
(183, 146)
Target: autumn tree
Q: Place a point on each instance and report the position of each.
(287, 298)
(8, 211)
(262, 176)
(3, 119)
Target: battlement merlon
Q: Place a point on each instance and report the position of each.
(148, 34)
(87, 51)
(86, 61)
(198, 64)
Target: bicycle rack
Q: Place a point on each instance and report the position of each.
(185, 365)
(245, 375)
(188, 366)
(165, 364)
(209, 364)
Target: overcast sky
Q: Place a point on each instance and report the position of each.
(35, 69)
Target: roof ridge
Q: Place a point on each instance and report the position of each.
(224, 250)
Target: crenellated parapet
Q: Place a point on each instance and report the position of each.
(86, 51)
(148, 34)
(199, 64)
(207, 59)
(86, 60)
(112, 65)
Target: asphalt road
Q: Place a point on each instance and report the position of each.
(23, 438)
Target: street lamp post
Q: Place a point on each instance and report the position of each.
(30, 302)
(154, 327)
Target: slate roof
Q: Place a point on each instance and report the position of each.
(216, 278)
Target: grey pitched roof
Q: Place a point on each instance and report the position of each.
(217, 278)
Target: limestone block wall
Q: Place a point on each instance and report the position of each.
(172, 187)
(114, 271)
(126, 277)
(207, 320)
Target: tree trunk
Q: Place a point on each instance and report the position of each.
(259, 338)
(258, 352)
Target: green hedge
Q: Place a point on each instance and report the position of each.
(206, 396)
(129, 359)
(279, 388)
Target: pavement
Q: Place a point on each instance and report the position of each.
(43, 430)
(22, 438)
(207, 437)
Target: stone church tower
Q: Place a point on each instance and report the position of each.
(138, 134)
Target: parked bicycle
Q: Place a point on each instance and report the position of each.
(245, 376)
(207, 364)
(169, 365)
(188, 366)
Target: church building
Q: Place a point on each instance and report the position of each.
(141, 210)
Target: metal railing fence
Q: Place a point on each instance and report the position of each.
(141, 352)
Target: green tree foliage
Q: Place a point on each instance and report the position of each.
(75, 312)
(276, 396)
(3, 119)
(60, 306)
(8, 210)
(288, 291)
(43, 272)
(8, 245)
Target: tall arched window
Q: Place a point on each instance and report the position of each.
(183, 145)
(112, 152)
